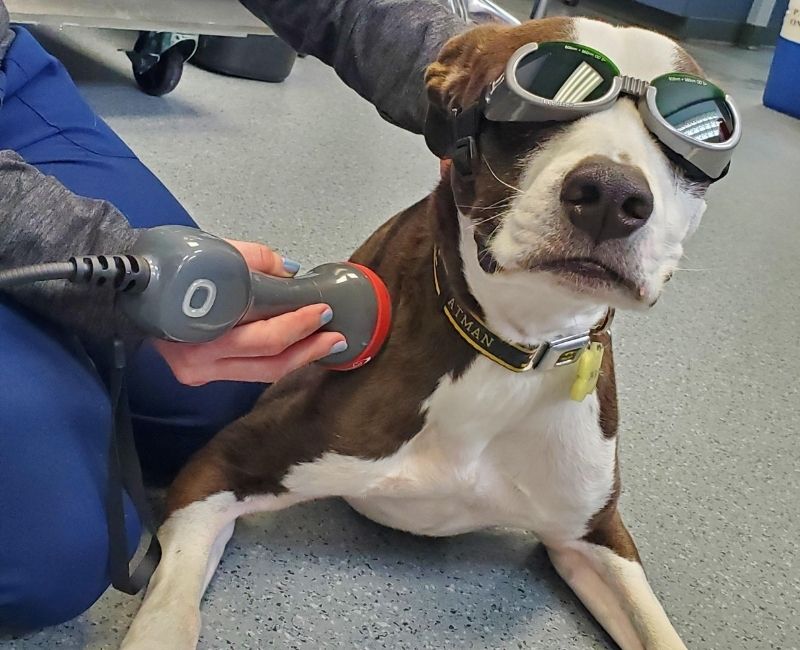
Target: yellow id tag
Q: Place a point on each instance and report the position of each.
(588, 372)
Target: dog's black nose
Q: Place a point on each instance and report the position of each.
(605, 199)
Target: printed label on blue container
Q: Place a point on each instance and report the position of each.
(791, 24)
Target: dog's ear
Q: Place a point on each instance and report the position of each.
(469, 62)
(685, 62)
(466, 65)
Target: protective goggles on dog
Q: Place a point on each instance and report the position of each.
(695, 121)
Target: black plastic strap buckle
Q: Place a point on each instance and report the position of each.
(466, 127)
(464, 154)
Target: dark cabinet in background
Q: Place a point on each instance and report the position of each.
(724, 20)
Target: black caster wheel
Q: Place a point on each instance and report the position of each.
(157, 59)
(162, 77)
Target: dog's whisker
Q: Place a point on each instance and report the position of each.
(493, 206)
(497, 178)
(480, 222)
(482, 254)
(499, 202)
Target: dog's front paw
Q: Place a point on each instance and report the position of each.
(163, 630)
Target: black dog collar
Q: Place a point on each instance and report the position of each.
(518, 358)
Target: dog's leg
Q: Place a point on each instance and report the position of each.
(193, 539)
(604, 570)
(202, 510)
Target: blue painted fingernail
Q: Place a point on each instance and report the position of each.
(290, 266)
(327, 317)
(341, 346)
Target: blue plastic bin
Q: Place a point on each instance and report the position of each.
(783, 84)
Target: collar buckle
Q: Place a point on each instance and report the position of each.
(562, 351)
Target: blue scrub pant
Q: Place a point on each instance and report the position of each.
(54, 410)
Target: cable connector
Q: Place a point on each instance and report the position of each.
(127, 273)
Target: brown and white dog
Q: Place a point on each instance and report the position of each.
(433, 437)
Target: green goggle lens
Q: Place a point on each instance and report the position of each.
(566, 72)
(694, 107)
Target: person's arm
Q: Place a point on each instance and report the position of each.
(380, 48)
(42, 221)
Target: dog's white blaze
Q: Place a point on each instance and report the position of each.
(637, 52)
(676, 212)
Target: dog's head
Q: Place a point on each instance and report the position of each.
(594, 205)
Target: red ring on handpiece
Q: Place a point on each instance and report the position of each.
(383, 320)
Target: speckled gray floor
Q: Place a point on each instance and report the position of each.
(708, 382)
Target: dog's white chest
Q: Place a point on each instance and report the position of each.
(497, 449)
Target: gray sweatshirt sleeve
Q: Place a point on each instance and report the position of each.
(42, 221)
(380, 48)
(6, 35)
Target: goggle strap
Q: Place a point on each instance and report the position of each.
(466, 126)
(693, 173)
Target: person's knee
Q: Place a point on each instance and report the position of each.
(54, 579)
(55, 418)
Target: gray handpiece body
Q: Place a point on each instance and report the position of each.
(200, 287)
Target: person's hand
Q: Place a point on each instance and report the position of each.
(262, 351)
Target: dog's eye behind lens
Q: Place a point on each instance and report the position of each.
(566, 73)
(516, 139)
(694, 107)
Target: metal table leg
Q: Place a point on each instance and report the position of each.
(480, 11)
(539, 9)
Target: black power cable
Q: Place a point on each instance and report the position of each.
(36, 273)
(126, 273)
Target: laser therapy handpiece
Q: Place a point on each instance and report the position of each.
(200, 287)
